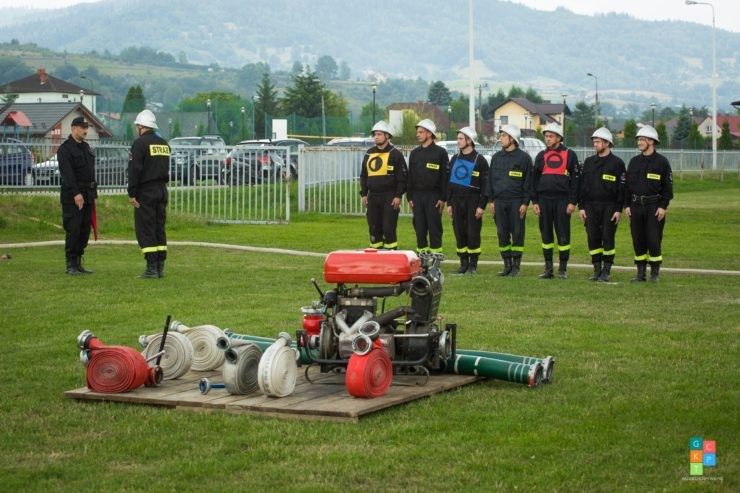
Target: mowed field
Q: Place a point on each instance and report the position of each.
(639, 368)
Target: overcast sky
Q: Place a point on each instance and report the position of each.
(727, 11)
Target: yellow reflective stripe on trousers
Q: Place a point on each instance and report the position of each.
(504, 248)
(610, 252)
(563, 248)
(151, 249)
(596, 252)
(659, 258)
(436, 250)
(473, 250)
(639, 258)
(462, 250)
(517, 249)
(548, 246)
(390, 245)
(376, 245)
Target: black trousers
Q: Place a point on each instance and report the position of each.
(427, 221)
(553, 215)
(382, 220)
(150, 218)
(647, 233)
(600, 232)
(467, 228)
(509, 227)
(77, 225)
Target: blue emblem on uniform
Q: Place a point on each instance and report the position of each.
(462, 172)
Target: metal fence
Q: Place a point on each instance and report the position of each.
(244, 184)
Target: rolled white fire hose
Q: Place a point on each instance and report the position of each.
(206, 355)
(240, 368)
(277, 371)
(178, 353)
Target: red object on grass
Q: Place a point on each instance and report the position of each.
(116, 369)
(371, 266)
(369, 375)
(95, 222)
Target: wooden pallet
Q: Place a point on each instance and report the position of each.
(326, 399)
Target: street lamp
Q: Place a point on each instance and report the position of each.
(254, 101)
(82, 96)
(596, 81)
(652, 105)
(449, 121)
(208, 105)
(92, 91)
(565, 105)
(714, 83)
(169, 127)
(375, 87)
(243, 133)
(691, 123)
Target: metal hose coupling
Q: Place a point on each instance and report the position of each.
(177, 358)
(205, 386)
(362, 344)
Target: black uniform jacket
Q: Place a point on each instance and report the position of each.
(649, 176)
(428, 171)
(150, 162)
(77, 171)
(603, 181)
(467, 177)
(556, 175)
(510, 176)
(383, 171)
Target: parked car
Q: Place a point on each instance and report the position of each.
(196, 158)
(295, 146)
(530, 145)
(111, 165)
(253, 161)
(46, 172)
(16, 162)
(361, 142)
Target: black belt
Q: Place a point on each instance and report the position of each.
(645, 199)
(87, 184)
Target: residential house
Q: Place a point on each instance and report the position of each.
(528, 116)
(705, 126)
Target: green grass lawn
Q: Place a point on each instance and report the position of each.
(640, 368)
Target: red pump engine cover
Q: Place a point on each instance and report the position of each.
(371, 266)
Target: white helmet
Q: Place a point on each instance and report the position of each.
(146, 119)
(382, 126)
(649, 132)
(554, 128)
(469, 133)
(603, 133)
(512, 131)
(428, 124)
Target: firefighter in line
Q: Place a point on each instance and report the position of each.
(600, 202)
(555, 185)
(427, 184)
(382, 185)
(649, 190)
(466, 199)
(148, 174)
(508, 188)
(77, 194)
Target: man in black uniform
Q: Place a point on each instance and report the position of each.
(508, 188)
(426, 187)
(466, 199)
(382, 185)
(148, 174)
(77, 195)
(555, 184)
(600, 202)
(649, 191)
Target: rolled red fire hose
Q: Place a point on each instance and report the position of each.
(369, 375)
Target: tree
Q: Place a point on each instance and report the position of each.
(297, 68)
(725, 140)
(344, 72)
(135, 100)
(250, 76)
(533, 96)
(326, 68)
(266, 104)
(303, 97)
(176, 130)
(407, 134)
(438, 94)
(682, 129)
(630, 131)
(662, 132)
(12, 68)
(516, 92)
(695, 139)
(583, 122)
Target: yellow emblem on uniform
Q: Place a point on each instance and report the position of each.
(476, 173)
(159, 150)
(432, 165)
(609, 177)
(653, 176)
(377, 164)
(516, 174)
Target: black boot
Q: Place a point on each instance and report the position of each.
(605, 274)
(151, 267)
(72, 266)
(641, 268)
(597, 272)
(464, 263)
(473, 265)
(81, 268)
(548, 270)
(161, 256)
(654, 271)
(563, 269)
(507, 267)
(516, 263)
